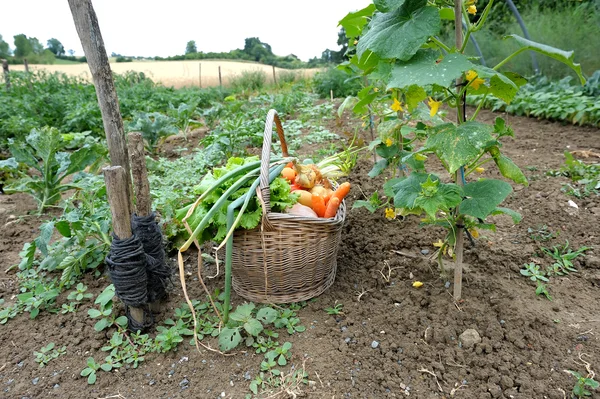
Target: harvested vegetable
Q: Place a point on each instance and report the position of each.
(318, 205)
(289, 174)
(305, 197)
(306, 178)
(332, 208)
(342, 191)
(301, 210)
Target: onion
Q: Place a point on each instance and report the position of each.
(301, 210)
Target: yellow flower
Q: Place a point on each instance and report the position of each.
(417, 284)
(479, 169)
(434, 105)
(474, 232)
(472, 9)
(475, 81)
(420, 157)
(388, 142)
(390, 213)
(396, 106)
(441, 245)
(376, 89)
(355, 42)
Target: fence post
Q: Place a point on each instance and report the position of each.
(200, 74)
(220, 81)
(6, 76)
(274, 78)
(88, 29)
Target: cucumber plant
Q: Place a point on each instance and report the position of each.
(394, 47)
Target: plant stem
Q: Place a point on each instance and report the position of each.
(440, 43)
(504, 61)
(478, 108)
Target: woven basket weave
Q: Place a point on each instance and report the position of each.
(286, 258)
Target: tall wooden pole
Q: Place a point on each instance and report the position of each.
(143, 201)
(200, 74)
(220, 81)
(459, 245)
(116, 194)
(6, 74)
(88, 29)
(274, 77)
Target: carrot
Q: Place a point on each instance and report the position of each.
(342, 191)
(332, 208)
(295, 187)
(318, 205)
(290, 165)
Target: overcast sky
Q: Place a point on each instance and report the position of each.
(162, 28)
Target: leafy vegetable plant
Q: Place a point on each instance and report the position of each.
(42, 152)
(48, 353)
(394, 47)
(580, 390)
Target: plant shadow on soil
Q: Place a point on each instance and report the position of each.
(393, 340)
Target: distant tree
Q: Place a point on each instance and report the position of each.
(191, 47)
(71, 52)
(342, 41)
(36, 46)
(56, 47)
(256, 49)
(22, 46)
(4, 48)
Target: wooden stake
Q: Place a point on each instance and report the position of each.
(274, 77)
(6, 74)
(116, 193)
(26, 64)
(143, 201)
(460, 173)
(88, 29)
(220, 81)
(200, 74)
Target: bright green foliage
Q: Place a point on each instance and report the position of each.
(585, 176)
(154, 126)
(337, 309)
(48, 353)
(281, 198)
(90, 370)
(563, 257)
(580, 390)
(42, 151)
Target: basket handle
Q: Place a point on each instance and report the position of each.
(265, 190)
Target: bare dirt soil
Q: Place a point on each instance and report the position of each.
(392, 340)
(204, 73)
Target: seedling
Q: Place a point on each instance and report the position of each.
(582, 385)
(90, 370)
(541, 233)
(564, 257)
(534, 272)
(337, 309)
(48, 353)
(79, 293)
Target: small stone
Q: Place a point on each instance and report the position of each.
(20, 364)
(469, 338)
(35, 380)
(447, 285)
(247, 376)
(222, 394)
(347, 340)
(184, 383)
(374, 344)
(56, 386)
(425, 251)
(171, 372)
(152, 382)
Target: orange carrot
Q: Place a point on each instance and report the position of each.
(290, 165)
(318, 205)
(332, 207)
(342, 191)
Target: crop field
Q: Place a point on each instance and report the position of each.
(431, 231)
(177, 73)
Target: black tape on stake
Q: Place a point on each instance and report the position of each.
(126, 262)
(148, 231)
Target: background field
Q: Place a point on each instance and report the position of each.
(178, 73)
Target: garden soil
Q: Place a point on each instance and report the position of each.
(392, 340)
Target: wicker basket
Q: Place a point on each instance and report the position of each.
(286, 258)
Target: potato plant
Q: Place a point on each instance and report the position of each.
(394, 46)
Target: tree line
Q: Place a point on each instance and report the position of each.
(32, 50)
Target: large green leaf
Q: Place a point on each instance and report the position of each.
(423, 70)
(253, 327)
(516, 216)
(458, 146)
(266, 315)
(387, 5)
(566, 57)
(406, 191)
(354, 22)
(436, 196)
(400, 33)
(45, 142)
(366, 62)
(242, 312)
(80, 159)
(9, 164)
(483, 196)
(500, 85)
